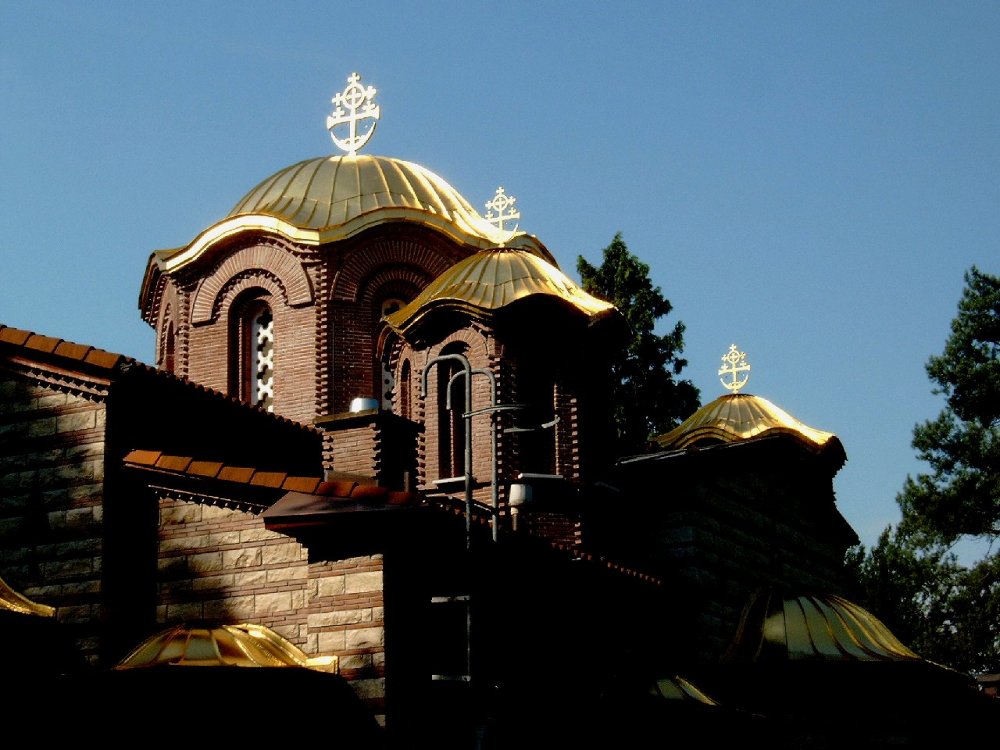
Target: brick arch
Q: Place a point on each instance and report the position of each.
(405, 280)
(153, 313)
(477, 343)
(422, 262)
(296, 289)
(245, 282)
(166, 318)
(168, 307)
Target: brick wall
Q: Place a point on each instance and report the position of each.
(326, 305)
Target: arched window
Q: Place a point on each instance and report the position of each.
(451, 424)
(168, 349)
(387, 380)
(536, 390)
(404, 387)
(252, 373)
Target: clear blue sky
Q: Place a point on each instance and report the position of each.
(806, 180)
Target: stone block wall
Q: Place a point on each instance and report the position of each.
(222, 564)
(51, 502)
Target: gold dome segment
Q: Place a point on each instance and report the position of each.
(14, 601)
(740, 416)
(331, 198)
(492, 279)
(334, 191)
(217, 645)
(813, 627)
(334, 197)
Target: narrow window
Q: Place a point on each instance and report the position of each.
(451, 424)
(168, 349)
(404, 390)
(387, 382)
(261, 385)
(252, 374)
(536, 386)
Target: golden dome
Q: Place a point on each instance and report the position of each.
(736, 417)
(333, 197)
(335, 190)
(14, 601)
(813, 627)
(492, 279)
(216, 645)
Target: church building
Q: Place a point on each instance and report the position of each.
(373, 423)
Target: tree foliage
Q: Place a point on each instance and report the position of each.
(961, 496)
(649, 397)
(947, 612)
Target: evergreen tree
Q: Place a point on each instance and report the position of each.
(949, 613)
(962, 445)
(648, 396)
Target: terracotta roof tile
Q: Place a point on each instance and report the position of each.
(369, 492)
(42, 343)
(146, 458)
(338, 488)
(268, 478)
(307, 485)
(106, 360)
(204, 468)
(14, 336)
(236, 474)
(174, 463)
(101, 358)
(402, 498)
(72, 351)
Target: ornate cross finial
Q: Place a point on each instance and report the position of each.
(502, 203)
(734, 362)
(357, 100)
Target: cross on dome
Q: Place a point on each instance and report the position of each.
(353, 105)
(503, 204)
(734, 362)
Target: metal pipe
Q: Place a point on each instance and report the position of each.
(467, 371)
(494, 481)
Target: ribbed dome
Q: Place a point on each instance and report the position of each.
(740, 416)
(332, 191)
(14, 601)
(211, 644)
(330, 198)
(492, 279)
(826, 627)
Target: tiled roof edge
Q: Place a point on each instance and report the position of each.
(93, 360)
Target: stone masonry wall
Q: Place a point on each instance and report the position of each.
(51, 502)
(222, 564)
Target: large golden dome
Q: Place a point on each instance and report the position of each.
(332, 191)
(330, 198)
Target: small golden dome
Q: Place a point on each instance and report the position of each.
(826, 627)
(216, 645)
(492, 279)
(14, 601)
(736, 417)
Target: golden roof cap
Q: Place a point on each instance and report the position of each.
(736, 417)
(216, 645)
(492, 279)
(14, 601)
(813, 627)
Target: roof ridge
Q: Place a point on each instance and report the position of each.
(109, 361)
